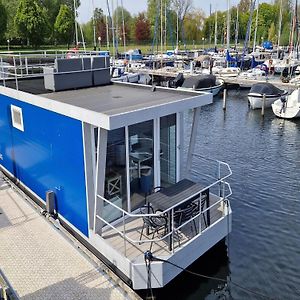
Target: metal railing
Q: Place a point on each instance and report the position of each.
(26, 65)
(221, 186)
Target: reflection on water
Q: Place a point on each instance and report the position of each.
(264, 246)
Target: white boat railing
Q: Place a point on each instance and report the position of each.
(126, 217)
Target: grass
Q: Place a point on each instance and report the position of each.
(145, 48)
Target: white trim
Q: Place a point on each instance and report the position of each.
(17, 110)
(179, 145)
(100, 176)
(88, 148)
(75, 112)
(156, 151)
(110, 122)
(158, 111)
(127, 153)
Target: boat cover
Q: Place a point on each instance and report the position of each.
(201, 81)
(266, 88)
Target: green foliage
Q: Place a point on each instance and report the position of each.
(30, 21)
(3, 20)
(64, 24)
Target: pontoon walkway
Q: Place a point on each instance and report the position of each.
(40, 263)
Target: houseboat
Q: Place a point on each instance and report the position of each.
(108, 160)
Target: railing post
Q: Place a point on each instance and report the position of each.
(172, 228)
(200, 213)
(21, 66)
(26, 65)
(16, 74)
(3, 72)
(124, 234)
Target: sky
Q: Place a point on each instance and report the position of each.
(136, 6)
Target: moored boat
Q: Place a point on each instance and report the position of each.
(288, 107)
(203, 83)
(259, 90)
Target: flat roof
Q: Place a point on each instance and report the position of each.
(116, 105)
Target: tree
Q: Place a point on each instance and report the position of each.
(64, 24)
(142, 28)
(3, 20)
(193, 25)
(11, 10)
(272, 33)
(118, 20)
(244, 6)
(31, 21)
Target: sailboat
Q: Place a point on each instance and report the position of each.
(288, 107)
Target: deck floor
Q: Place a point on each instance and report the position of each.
(134, 227)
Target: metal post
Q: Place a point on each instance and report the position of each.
(263, 105)
(26, 65)
(224, 98)
(124, 233)
(16, 75)
(2, 71)
(21, 66)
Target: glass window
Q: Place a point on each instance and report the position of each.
(115, 174)
(140, 162)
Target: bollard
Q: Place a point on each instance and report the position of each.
(224, 98)
(263, 105)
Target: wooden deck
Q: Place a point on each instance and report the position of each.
(133, 228)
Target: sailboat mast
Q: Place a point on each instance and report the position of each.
(255, 31)
(177, 28)
(216, 28)
(113, 28)
(123, 23)
(165, 25)
(75, 21)
(161, 31)
(94, 25)
(107, 32)
(236, 27)
(279, 27)
(228, 25)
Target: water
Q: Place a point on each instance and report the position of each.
(263, 252)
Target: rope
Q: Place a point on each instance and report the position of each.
(150, 257)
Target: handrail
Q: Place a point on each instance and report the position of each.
(138, 215)
(215, 160)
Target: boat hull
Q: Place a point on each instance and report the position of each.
(213, 90)
(289, 109)
(256, 100)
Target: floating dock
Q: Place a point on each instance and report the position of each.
(40, 262)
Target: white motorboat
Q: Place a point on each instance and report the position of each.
(257, 92)
(203, 83)
(288, 107)
(226, 72)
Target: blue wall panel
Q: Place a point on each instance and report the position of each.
(48, 155)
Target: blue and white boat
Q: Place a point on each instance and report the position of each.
(95, 151)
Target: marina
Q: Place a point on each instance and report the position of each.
(150, 171)
(110, 146)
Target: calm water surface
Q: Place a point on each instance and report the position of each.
(263, 251)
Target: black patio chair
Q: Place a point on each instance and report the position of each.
(185, 214)
(203, 204)
(153, 223)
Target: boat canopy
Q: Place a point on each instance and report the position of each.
(266, 88)
(198, 82)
